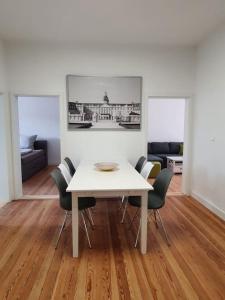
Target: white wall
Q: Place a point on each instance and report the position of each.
(5, 154)
(208, 176)
(37, 69)
(34, 69)
(40, 115)
(4, 184)
(2, 68)
(166, 120)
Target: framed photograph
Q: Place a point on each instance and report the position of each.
(104, 103)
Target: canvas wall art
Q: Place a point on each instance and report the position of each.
(104, 103)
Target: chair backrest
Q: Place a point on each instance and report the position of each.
(70, 166)
(65, 198)
(140, 163)
(65, 172)
(162, 183)
(145, 172)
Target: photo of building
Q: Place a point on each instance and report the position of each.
(111, 110)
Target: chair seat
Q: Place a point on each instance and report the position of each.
(154, 201)
(86, 202)
(83, 202)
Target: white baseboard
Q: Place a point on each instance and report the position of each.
(3, 203)
(211, 206)
(38, 197)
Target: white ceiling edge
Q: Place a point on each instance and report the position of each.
(111, 46)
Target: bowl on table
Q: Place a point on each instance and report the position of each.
(106, 166)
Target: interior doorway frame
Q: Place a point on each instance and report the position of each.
(187, 154)
(16, 159)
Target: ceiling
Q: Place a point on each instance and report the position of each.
(134, 22)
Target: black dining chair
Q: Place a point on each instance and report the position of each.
(65, 200)
(156, 200)
(70, 165)
(138, 167)
(145, 172)
(140, 164)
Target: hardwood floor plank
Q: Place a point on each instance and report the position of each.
(122, 279)
(131, 275)
(30, 268)
(27, 255)
(195, 243)
(214, 234)
(40, 184)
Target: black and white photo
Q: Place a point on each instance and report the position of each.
(99, 103)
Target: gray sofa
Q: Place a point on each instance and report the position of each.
(33, 162)
(158, 151)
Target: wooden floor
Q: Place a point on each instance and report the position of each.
(40, 184)
(30, 268)
(176, 183)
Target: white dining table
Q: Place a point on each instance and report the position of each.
(91, 182)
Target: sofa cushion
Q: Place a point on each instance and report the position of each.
(174, 147)
(154, 158)
(30, 157)
(160, 147)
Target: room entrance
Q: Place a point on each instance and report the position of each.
(38, 144)
(166, 138)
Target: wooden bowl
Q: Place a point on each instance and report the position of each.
(106, 166)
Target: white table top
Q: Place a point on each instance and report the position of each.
(88, 178)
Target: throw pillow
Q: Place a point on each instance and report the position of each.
(27, 142)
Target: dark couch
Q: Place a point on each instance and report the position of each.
(33, 162)
(158, 151)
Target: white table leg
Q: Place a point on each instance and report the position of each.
(75, 225)
(144, 215)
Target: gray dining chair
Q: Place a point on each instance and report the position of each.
(65, 172)
(145, 172)
(70, 165)
(156, 200)
(140, 164)
(65, 200)
(138, 167)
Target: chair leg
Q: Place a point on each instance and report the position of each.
(85, 226)
(164, 229)
(61, 229)
(89, 217)
(124, 212)
(135, 215)
(138, 233)
(139, 227)
(92, 209)
(122, 202)
(149, 215)
(156, 224)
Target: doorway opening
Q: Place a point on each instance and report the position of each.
(166, 138)
(39, 144)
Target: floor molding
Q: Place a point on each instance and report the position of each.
(170, 194)
(211, 206)
(3, 203)
(38, 197)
